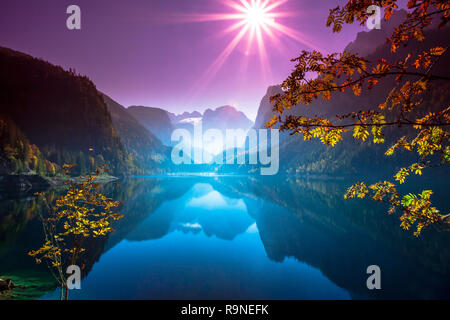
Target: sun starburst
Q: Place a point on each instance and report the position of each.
(258, 20)
(256, 16)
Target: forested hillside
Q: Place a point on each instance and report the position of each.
(146, 153)
(18, 155)
(60, 112)
(155, 120)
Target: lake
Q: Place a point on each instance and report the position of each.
(236, 237)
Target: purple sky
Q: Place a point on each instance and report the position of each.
(139, 52)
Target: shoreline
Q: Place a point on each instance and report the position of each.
(25, 183)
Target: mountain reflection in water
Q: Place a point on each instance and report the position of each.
(238, 237)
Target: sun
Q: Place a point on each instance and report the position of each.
(257, 22)
(256, 16)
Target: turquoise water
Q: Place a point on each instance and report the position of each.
(245, 238)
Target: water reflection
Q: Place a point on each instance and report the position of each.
(201, 209)
(243, 238)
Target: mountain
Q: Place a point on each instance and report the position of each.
(176, 118)
(155, 120)
(351, 156)
(162, 123)
(226, 117)
(62, 113)
(145, 150)
(222, 118)
(265, 107)
(367, 42)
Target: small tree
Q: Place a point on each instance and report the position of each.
(403, 106)
(80, 214)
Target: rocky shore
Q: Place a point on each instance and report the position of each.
(6, 284)
(24, 183)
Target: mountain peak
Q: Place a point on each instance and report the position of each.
(265, 107)
(227, 117)
(367, 42)
(175, 118)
